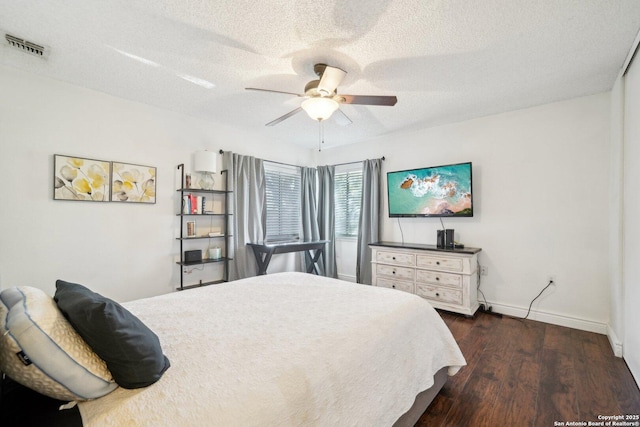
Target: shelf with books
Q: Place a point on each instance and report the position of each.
(200, 202)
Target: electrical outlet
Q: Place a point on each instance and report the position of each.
(484, 270)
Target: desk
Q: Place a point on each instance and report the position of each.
(264, 251)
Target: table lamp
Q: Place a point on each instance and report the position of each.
(205, 163)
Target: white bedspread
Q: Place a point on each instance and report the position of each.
(288, 349)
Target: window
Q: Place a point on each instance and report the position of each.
(348, 192)
(283, 201)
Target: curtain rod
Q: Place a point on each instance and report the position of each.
(358, 161)
(298, 166)
(273, 161)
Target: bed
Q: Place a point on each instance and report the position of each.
(286, 349)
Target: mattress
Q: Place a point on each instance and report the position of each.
(287, 349)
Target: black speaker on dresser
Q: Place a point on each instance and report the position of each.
(448, 238)
(444, 238)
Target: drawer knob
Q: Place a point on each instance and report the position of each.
(393, 272)
(437, 294)
(393, 286)
(394, 258)
(437, 278)
(437, 262)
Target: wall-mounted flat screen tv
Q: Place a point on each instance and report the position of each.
(434, 191)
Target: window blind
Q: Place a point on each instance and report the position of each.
(283, 202)
(348, 195)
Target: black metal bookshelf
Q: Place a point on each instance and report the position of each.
(224, 234)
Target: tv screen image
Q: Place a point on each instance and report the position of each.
(432, 191)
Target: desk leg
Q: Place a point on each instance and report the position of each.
(263, 263)
(312, 260)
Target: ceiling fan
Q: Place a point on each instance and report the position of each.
(323, 100)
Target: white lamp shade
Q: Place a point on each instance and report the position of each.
(204, 161)
(320, 108)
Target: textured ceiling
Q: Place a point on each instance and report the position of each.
(445, 60)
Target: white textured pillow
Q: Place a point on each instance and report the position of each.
(40, 349)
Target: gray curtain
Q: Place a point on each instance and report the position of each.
(369, 226)
(308, 201)
(326, 217)
(249, 208)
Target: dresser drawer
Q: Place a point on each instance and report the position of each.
(402, 273)
(438, 293)
(439, 263)
(396, 258)
(395, 284)
(439, 278)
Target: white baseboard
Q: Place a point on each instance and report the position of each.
(552, 318)
(616, 344)
(347, 277)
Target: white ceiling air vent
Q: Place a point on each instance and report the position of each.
(25, 46)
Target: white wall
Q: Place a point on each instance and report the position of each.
(631, 218)
(124, 251)
(616, 230)
(540, 189)
(346, 255)
(540, 182)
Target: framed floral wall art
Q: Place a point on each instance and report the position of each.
(78, 178)
(133, 183)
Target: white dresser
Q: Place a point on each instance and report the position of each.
(446, 277)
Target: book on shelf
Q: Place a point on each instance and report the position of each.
(193, 200)
(208, 206)
(192, 204)
(186, 204)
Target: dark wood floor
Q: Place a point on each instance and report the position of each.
(528, 373)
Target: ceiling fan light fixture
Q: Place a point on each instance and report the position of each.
(320, 108)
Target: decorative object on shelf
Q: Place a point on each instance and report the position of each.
(78, 178)
(205, 162)
(194, 256)
(133, 183)
(215, 253)
(191, 229)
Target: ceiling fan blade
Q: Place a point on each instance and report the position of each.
(285, 117)
(341, 118)
(274, 91)
(369, 100)
(331, 78)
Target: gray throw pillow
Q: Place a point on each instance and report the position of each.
(130, 349)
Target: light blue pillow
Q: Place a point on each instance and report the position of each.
(40, 349)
